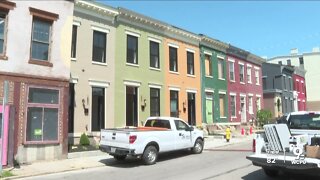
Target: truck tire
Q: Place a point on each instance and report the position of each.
(150, 155)
(119, 157)
(198, 147)
(271, 172)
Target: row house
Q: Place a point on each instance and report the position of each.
(245, 91)
(278, 88)
(299, 89)
(213, 81)
(309, 61)
(92, 82)
(34, 60)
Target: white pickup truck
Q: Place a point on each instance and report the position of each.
(159, 134)
(294, 150)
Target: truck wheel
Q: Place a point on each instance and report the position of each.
(150, 155)
(120, 157)
(271, 172)
(198, 147)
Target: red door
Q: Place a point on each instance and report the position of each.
(5, 134)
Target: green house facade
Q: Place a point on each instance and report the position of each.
(139, 69)
(213, 81)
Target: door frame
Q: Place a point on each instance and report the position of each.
(243, 115)
(136, 85)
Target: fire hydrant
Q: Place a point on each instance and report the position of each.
(228, 134)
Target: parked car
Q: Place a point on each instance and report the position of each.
(159, 134)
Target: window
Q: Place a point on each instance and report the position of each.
(98, 109)
(173, 59)
(221, 103)
(190, 63)
(231, 71)
(2, 32)
(241, 71)
(258, 103)
(99, 47)
(208, 65)
(74, 41)
(249, 74)
(42, 115)
(180, 125)
(257, 76)
(301, 60)
(154, 102)
(264, 83)
(132, 49)
(290, 84)
(154, 55)
(233, 105)
(220, 68)
(284, 83)
(158, 123)
(174, 103)
(41, 32)
(289, 62)
(250, 105)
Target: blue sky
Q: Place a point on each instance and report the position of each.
(263, 28)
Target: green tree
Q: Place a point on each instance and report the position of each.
(263, 117)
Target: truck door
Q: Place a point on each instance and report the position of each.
(183, 137)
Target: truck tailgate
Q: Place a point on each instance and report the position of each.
(115, 138)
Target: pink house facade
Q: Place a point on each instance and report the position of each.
(299, 86)
(244, 75)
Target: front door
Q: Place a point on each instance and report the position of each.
(243, 109)
(4, 146)
(131, 106)
(192, 109)
(209, 108)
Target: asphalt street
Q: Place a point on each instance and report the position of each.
(228, 163)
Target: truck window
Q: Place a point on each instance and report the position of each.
(180, 125)
(158, 123)
(304, 121)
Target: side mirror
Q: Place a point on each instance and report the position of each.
(189, 128)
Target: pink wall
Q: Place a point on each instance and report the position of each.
(5, 135)
(246, 88)
(299, 85)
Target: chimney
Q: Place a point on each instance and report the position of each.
(316, 49)
(294, 51)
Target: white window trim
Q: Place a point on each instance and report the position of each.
(74, 80)
(235, 103)
(249, 65)
(99, 63)
(154, 40)
(174, 88)
(209, 90)
(191, 75)
(250, 79)
(241, 63)
(243, 95)
(250, 94)
(136, 34)
(220, 57)
(98, 83)
(132, 83)
(258, 95)
(153, 68)
(173, 45)
(174, 72)
(76, 23)
(156, 86)
(232, 94)
(207, 53)
(231, 60)
(100, 29)
(132, 64)
(190, 50)
(191, 91)
(222, 92)
(257, 68)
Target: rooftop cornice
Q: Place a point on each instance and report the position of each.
(99, 8)
(255, 59)
(213, 43)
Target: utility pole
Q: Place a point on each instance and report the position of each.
(4, 102)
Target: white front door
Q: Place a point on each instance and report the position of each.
(243, 109)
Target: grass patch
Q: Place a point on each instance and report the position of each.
(6, 174)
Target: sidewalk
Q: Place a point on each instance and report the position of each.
(84, 160)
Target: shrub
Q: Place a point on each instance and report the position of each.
(84, 140)
(264, 116)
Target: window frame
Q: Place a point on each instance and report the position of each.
(190, 63)
(233, 79)
(173, 60)
(221, 74)
(153, 97)
(74, 38)
(4, 13)
(224, 105)
(234, 107)
(241, 73)
(105, 35)
(257, 75)
(210, 70)
(45, 17)
(177, 102)
(249, 76)
(136, 44)
(250, 104)
(43, 106)
(153, 55)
